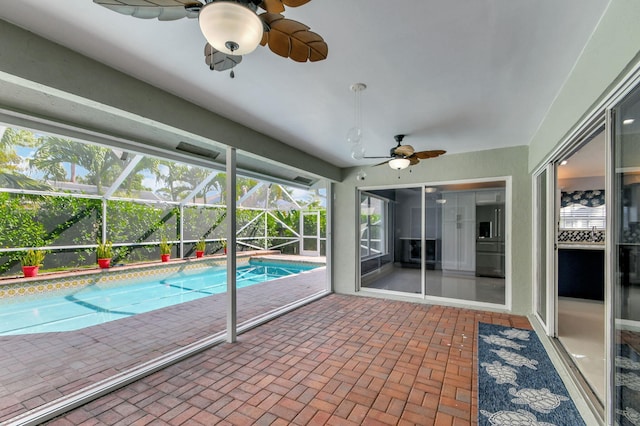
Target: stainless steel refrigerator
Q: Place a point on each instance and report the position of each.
(490, 250)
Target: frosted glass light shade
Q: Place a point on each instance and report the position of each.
(357, 151)
(354, 135)
(399, 163)
(225, 24)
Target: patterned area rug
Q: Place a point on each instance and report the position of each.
(627, 386)
(517, 383)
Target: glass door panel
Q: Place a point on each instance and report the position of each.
(541, 247)
(626, 259)
(580, 256)
(436, 241)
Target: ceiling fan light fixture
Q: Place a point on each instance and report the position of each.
(354, 135)
(399, 163)
(231, 27)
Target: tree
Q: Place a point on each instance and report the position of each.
(10, 175)
(11, 138)
(172, 175)
(133, 182)
(180, 180)
(102, 164)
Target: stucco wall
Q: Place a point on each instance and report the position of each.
(482, 164)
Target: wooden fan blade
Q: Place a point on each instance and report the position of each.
(429, 154)
(295, 3)
(287, 26)
(319, 51)
(272, 6)
(163, 10)
(305, 46)
(413, 160)
(219, 61)
(292, 39)
(404, 150)
(380, 164)
(277, 6)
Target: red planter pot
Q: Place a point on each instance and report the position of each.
(104, 263)
(199, 253)
(225, 250)
(165, 257)
(30, 271)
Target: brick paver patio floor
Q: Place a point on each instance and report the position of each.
(39, 368)
(342, 360)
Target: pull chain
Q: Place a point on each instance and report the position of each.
(232, 46)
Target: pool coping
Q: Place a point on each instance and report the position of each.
(14, 289)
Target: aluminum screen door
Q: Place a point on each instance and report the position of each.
(310, 233)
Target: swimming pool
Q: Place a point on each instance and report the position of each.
(97, 304)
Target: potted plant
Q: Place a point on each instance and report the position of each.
(104, 253)
(165, 250)
(224, 246)
(31, 261)
(200, 248)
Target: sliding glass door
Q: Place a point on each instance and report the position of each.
(580, 215)
(543, 269)
(444, 241)
(625, 274)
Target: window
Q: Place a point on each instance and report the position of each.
(373, 226)
(576, 216)
(583, 209)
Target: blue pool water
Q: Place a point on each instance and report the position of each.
(94, 305)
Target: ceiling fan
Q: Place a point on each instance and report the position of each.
(233, 27)
(403, 156)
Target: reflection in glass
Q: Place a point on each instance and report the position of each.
(405, 231)
(626, 310)
(580, 196)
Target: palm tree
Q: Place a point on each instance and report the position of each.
(180, 179)
(9, 158)
(171, 175)
(134, 182)
(102, 164)
(10, 176)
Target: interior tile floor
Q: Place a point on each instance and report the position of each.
(341, 360)
(464, 287)
(581, 333)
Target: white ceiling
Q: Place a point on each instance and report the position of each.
(588, 161)
(459, 75)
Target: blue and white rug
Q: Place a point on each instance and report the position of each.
(627, 386)
(517, 383)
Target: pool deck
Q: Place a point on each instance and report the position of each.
(341, 361)
(39, 368)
